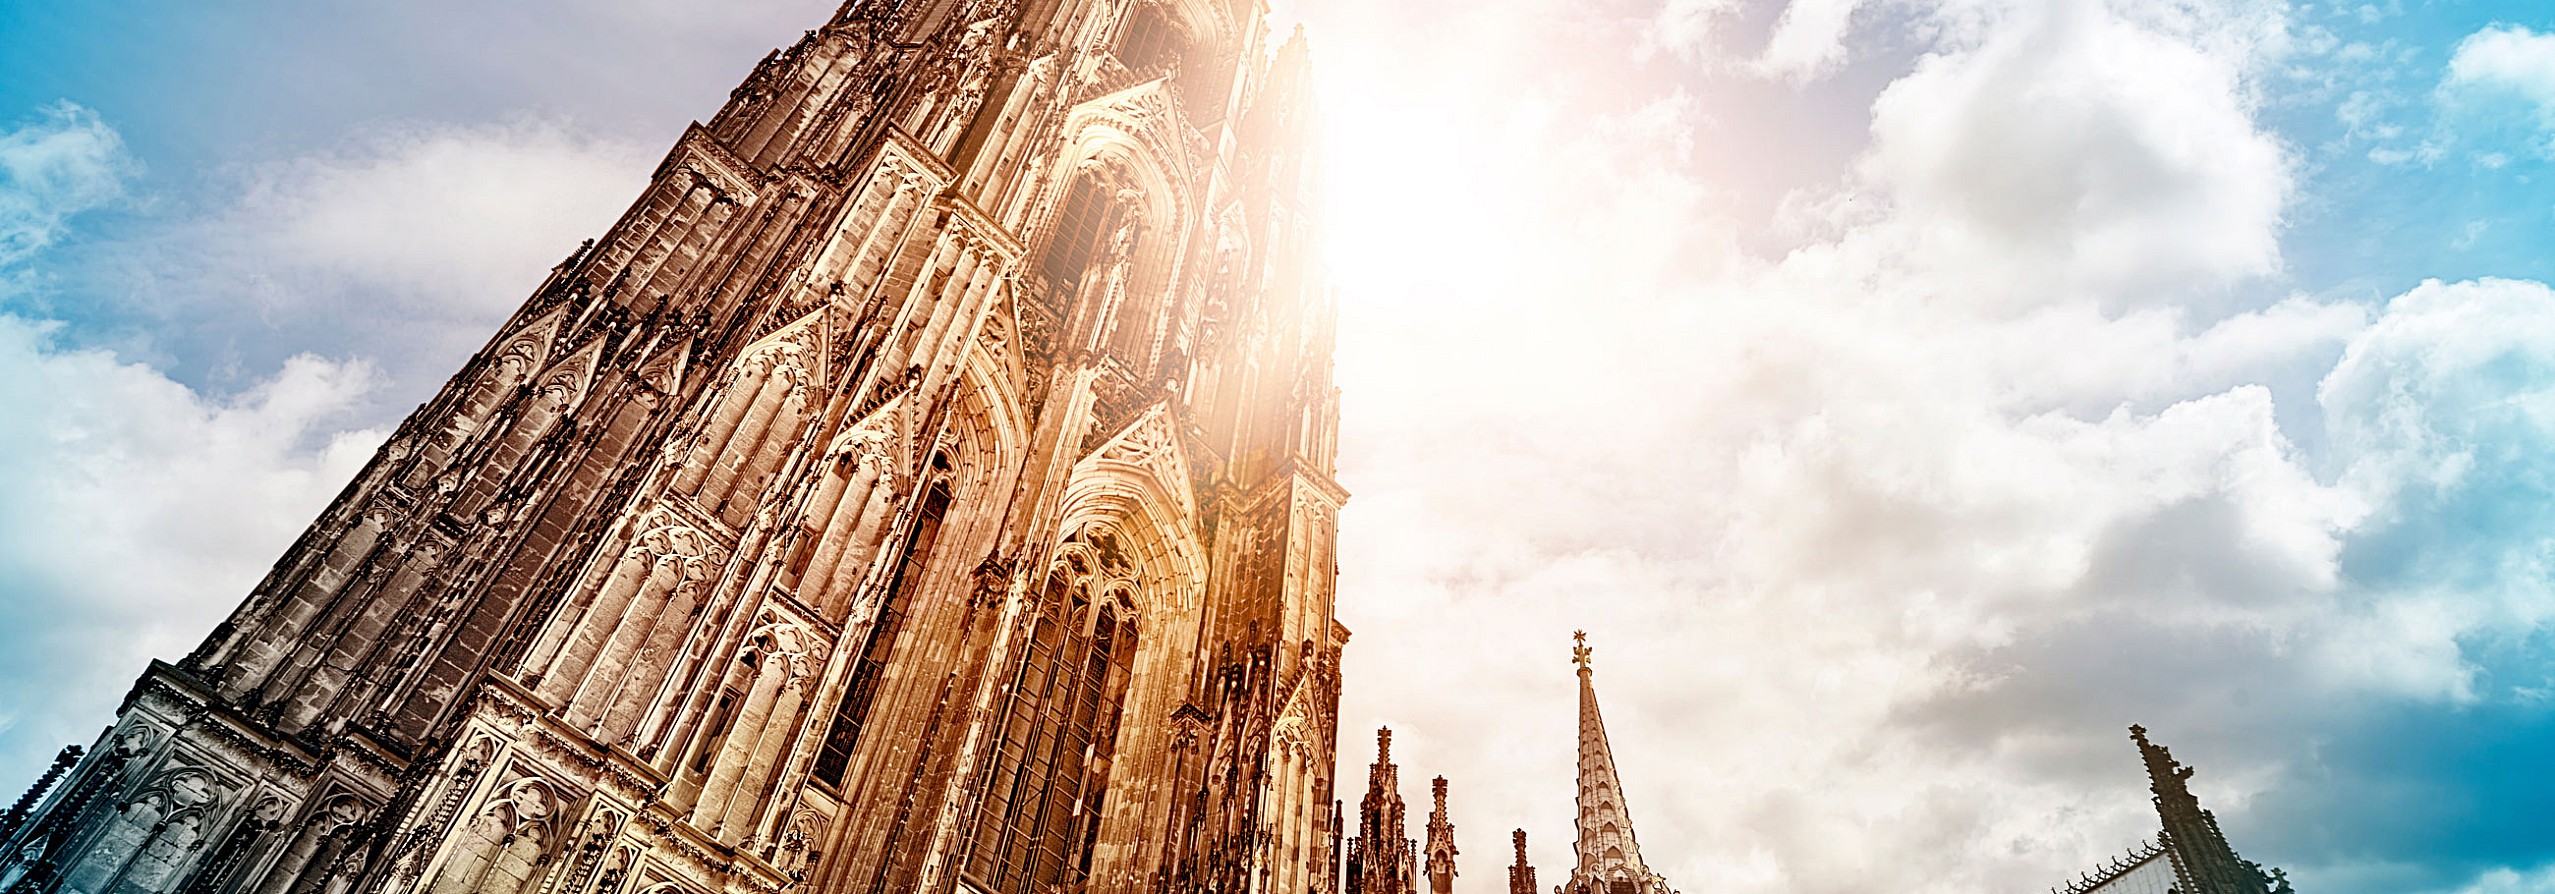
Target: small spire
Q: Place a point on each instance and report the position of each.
(1379, 858)
(1521, 875)
(1441, 843)
(1579, 650)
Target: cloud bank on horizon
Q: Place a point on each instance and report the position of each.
(1906, 395)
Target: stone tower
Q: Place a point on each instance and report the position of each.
(1609, 857)
(1441, 842)
(925, 486)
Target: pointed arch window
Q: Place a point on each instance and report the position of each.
(844, 734)
(1149, 41)
(1090, 214)
(1058, 734)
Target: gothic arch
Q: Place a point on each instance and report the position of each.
(516, 362)
(987, 427)
(1136, 142)
(1066, 684)
(751, 425)
(302, 604)
(990, 405)
(150, 840)
(247, 837)
(1135, 491)
(643, 600)
(843, 522)
(774, 670)
(515, 426)
(1208, 23)
(325, 835)
(504, 847)
(1139, 481)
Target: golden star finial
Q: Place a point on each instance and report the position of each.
(1579, 649)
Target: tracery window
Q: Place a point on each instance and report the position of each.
(148, 840)
(849, 716)
(1090, 214)
(1058, 733)
(324, 837)
(1149, 40)
(503, 850)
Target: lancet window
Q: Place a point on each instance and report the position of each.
(262, 653)
(757, 711)
(1091, 213)
(844, 735)
(1095, 284)
(607, 665)
(722, 720)
(535, 419)
(512, 369)
(247, 835)
(1058, 733)
(1149, 41)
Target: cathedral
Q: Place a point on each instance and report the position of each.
(925, 486)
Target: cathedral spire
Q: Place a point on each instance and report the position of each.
(1521, 875)
(1380, 859)
(2203, 862)
(1441, 843)
(1609, 857)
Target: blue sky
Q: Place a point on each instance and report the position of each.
(1907, 396)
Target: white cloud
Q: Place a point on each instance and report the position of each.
(449, 222)
(1881, 542)
(2455, 380)
(134, 511)
(2511, 58)
(2109, 157)
(1687, 28)
(1809, 40)
(403, 243)
(64, 163)
(2540, 880)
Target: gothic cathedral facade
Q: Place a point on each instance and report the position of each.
(926, 486)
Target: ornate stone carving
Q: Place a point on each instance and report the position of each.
(566, 705)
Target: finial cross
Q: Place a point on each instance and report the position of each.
(1579, 650)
